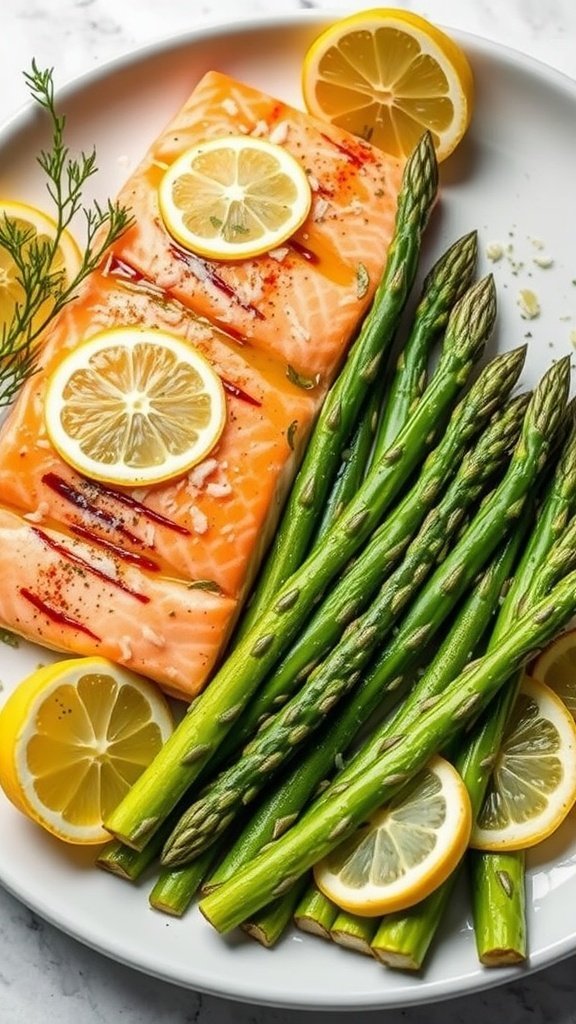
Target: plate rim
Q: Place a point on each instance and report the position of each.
(437, 990)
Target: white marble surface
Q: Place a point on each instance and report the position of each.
(45, 976)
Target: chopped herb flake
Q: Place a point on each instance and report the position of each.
(291, 433)
(299, 380)
(210, 585)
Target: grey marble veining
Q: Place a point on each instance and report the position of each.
(46, 976)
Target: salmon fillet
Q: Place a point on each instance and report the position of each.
(302, 303)
(154, 578)
(210, 524)
(67, 594)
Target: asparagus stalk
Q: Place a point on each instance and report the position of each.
(344, 401)
(501, 931)
(240, 783)
(355, 460)
(498, 904)
(315, 913)
(194, 742)
(269, 924)
(328, 823)
(174, 890)
(504, 938)
(444, 285)
(126, 863)
(354, 932)
(358, 585)
(403, 939)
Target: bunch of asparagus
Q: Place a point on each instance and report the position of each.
(409, 512)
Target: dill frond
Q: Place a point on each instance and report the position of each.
(34, 259)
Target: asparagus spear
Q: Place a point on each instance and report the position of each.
(191, 745)
(355, 460)
(126, 863)
(344, 401)
(315, 913)
(327, 824)
(174, 890)
(352, 593)
(444, 285)
(403, 939)
(498, 940)
(268, 925)
(239, 784)
(501, 931)
(498, 903)
(354, 932)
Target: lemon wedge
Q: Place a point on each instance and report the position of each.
(75, 736)
(405, 851)
(387, 75)
(40, 229)
(234, 197)
(533, 783)
(134, 407)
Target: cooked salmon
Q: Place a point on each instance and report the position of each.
(303, 302)
(98, 567)
(210, 524)
(68, 594)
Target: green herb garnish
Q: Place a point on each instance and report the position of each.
(34, 258)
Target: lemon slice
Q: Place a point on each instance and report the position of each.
(386, 75)
(41, 229)
(234, 197)
(405, 851)
(75, 736)
(134, 407)
(556, 666)
(533, 784)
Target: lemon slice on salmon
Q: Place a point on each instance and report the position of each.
(406, 850)
(39, 229)
(234, 197)
(387, 75)
(134, 407)
(75, 736)
(533, 783)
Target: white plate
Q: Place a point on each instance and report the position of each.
(513, 180)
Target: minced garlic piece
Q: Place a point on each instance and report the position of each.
(494, 251)
(529, 305)
(543, 261)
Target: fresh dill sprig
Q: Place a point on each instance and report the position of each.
(44, 287)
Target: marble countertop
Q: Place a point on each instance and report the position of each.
(44, 975)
